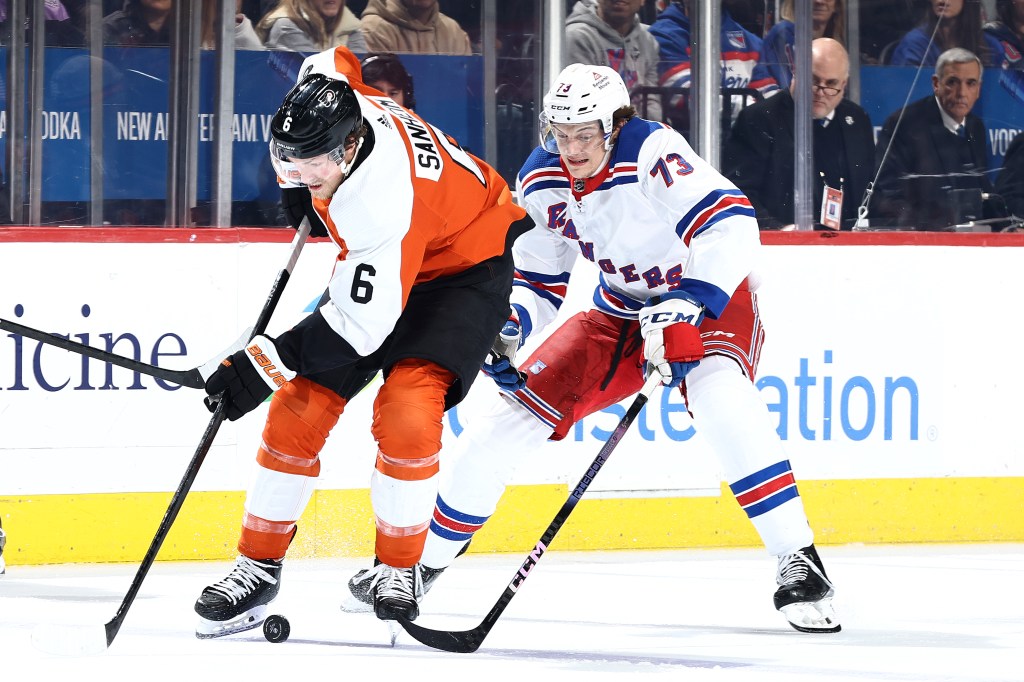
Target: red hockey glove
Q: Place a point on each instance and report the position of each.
(672, 343)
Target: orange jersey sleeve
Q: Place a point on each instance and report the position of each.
(416, 208)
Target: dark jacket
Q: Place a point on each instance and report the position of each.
(759, 158)
(904, 195)
(1010, 183)
(127, 27)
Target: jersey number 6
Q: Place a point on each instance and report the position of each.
(362, 289)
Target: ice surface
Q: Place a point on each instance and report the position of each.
(909, 612)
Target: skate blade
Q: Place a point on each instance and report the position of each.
(812, 617)
(211, 629)
(393, 629)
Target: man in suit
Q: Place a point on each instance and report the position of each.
(759, 155)
(932, 153)
(1010, 183)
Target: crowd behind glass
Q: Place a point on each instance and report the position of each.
(648, 43)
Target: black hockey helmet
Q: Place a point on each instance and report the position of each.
(315, 118)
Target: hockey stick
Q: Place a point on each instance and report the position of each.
(65, 640)
(191, 378)
(468, 641)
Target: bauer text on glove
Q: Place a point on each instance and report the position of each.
(248, 377)
(672, 344)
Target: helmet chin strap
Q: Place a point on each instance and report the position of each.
(346, 167)
(604, 162)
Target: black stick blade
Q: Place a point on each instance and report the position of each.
(465, 642)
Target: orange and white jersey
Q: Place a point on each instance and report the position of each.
(418, 207)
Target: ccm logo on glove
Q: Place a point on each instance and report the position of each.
(666, 317)
(672, 344)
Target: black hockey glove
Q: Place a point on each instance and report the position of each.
(297, 204)
(247, 378)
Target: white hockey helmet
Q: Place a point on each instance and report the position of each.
(583, 93)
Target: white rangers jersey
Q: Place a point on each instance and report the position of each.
(658, 218)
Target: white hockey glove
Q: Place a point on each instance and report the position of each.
(672, 343)
(248, 377)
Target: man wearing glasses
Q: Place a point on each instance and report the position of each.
(759, 154)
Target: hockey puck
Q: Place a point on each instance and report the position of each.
(276, 629)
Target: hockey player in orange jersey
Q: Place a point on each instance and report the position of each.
(419, 291)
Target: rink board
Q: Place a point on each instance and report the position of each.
(900, 422)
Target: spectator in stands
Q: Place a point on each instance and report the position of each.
(245, 34)
(609, 33)
(1010, 183)
(883, 23)
(140, 22)
(310, 26)
(72, 32)
(958, 24)
(387, 73)
(53, 10)
(932, 147)
(416, 26)
(828, 20)
(1008, 29)
(759, 154)
(740, 55)
(60, 27)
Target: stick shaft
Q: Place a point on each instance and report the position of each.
(205, 443)
(190, 378)
(468, 641)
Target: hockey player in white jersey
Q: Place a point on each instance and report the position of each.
(675, 244)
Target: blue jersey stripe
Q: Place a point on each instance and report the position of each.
(707, 202)
(458, 516)
(765, 506)
(448, 533)
(553, 299)
(543, 277)
(545, 184)
(733, 210)
(758, 477)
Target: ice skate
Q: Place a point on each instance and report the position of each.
(239, 601)
(387, 591)
(359, 599)
(805, 593)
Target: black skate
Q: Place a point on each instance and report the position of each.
(359, 599)
(395, 591)
(239, 601)
(805, 593)
(360, 587)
